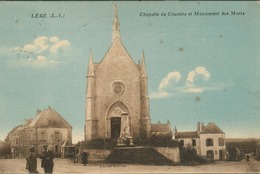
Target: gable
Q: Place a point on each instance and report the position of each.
(50, 118)
(118, 59)
(211, 128)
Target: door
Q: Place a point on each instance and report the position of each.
(210, 154)
(220, 154)
(115, 127)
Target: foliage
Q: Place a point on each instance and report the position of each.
(99, 144)
(189, 157)
(245, 146)
(158, 141)
(155, 140)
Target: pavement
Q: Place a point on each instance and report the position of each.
(64, 166)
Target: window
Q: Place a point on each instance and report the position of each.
(221, 142)
(50, 122)
(25, 138)
(193, 142)
(209, 142)
(43, 136)
(56, 148)
(182, 143)
(57, 136)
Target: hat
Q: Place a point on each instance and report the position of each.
(31, 147)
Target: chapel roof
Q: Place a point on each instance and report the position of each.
(159, 127)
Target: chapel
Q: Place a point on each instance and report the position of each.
(117, 102)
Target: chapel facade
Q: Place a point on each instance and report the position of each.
(117, 102)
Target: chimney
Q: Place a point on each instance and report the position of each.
(202, 127)
(38, 111)
(198, 127)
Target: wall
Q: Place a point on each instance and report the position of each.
(171, 153)
(98, 154)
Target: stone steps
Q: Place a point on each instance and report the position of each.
(137, 155)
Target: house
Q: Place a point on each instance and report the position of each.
(47, 128)
(208, 141)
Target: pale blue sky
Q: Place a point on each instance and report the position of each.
(200, 68)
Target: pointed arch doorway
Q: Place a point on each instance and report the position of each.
(115, 127)
(118, 121)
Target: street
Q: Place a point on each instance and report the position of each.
(67, 166)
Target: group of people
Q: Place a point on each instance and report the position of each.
(47, 160)
(47, 157)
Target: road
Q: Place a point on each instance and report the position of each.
(67, 166)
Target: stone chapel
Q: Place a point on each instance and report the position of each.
(117, 102)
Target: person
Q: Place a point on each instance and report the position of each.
(47, 159)
(31, 161)
(76, 158)
(84, 157)
(247, 158)
(43, 155)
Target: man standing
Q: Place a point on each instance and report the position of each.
(47, 159)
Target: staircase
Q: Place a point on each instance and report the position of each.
(137, 155)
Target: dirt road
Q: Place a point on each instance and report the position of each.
(67, 166)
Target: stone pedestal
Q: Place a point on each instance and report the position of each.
(125, 141)
(125, 138)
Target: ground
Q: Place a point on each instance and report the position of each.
(67, 166)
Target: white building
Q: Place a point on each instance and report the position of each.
(208, 141)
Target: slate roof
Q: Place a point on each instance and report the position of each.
(211, 128)
(160, 128)
(193, 134)
(42, 119)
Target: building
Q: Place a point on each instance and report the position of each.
(208, 141)
(161, 129)
(47, 128)
(117, 98)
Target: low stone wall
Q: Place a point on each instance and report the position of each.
(98, 154)
(172, 153)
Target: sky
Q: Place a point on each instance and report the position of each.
(200, 67)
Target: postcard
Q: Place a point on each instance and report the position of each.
(130, 87)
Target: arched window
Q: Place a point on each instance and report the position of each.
(209, 142)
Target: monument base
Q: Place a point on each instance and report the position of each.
(125, 141)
